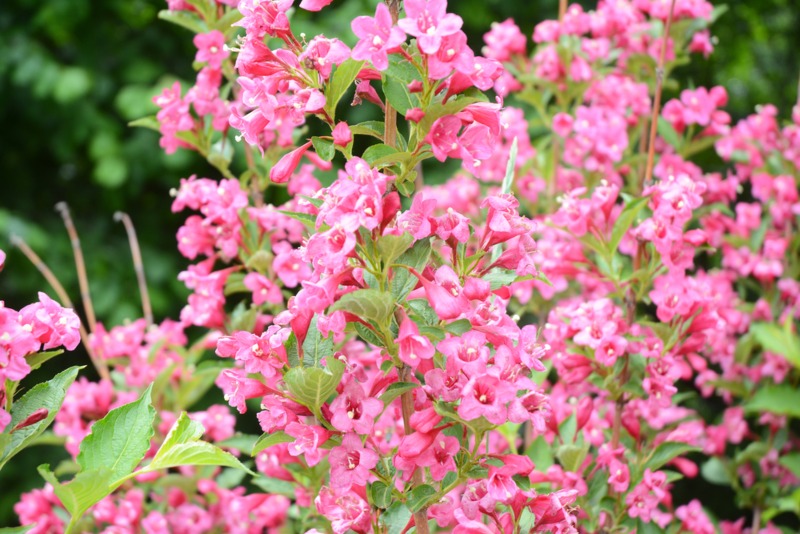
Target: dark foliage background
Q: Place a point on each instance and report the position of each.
(74, 72)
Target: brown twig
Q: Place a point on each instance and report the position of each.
(407, 403)
(562, 10)
(390, 122)
(80, 265)
(651, 149)
(138, 265)
(42, 267)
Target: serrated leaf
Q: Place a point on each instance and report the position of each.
(49, 395)
(268, 440)
(311, 386)
(780, 340)
(625, 220)
(395, 518)
(371, 304)
(315, 347)
(182, 446)
(368, 335)
(395, 390)
(420, 497)
(119, 441)
(242, 442)
(342, 77)
(392, 247)
(571, 456)
(201, 380)
(778, 399)
(324, 148)
(79, 494)
(402, 280)
(666, 452)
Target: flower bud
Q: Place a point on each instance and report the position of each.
(32, 419)
(283, 170)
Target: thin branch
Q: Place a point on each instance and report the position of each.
(390, 122)
(42, 267)
(562, 10)
(138, 265)
(651, 148)
(80, 266)
(407, 403)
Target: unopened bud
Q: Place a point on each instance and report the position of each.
(32, 419)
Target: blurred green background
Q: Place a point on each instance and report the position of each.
(74, 72)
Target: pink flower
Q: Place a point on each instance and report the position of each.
(486, 396)
(263, 354)
(314, 5)
(308, 440)
(342, 136)
(377, 37)
(237, 388)
(504, 40)
(264, 290)
(283, 170)
(291, 269)
(51, 324)
(429, 23)
(440, 456)
(211, 48)
(443, 137)
(353, 411)
(445, 293)
(351, 462)
(412, 346)
(2, 259)
(323, 53)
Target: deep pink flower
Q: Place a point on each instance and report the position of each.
(353, 411)
(237, 388)
(377, 37)
(342, 136)
(51, 324)
(351, 463)
(283, 170)
(264, 289)
(440, 456)
(314, 5)
(443, 137)
(413, 347)
(445, 293)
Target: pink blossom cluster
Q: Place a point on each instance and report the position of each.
(43, 325)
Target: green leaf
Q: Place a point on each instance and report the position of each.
(402, 280)
(16, 530)
(185, 19)
(714, 471)
(457, 328)
(666, 452)
(311, 386)
(342, 77)
(395, 390)
(370, 304)
(368, 334)
(86, 489)
(437, 111)
(49, 395)
(779, 399)
(396, 518)
(381, 494)
(625, 220)
(571, 456)
(372, 128)
(242, 442)
(201, 380)
(182, 446)
(398, 95)
(508, 180)
(791, 462)
(379, 151)
(292, 351)
(392, 247)
(780, 340)
(315, 347)
(268, 440)
(38, 359)
(310, 221)
(119, 441)
(420, 497)
(668, 133)
(228, 19)
(324, 148)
